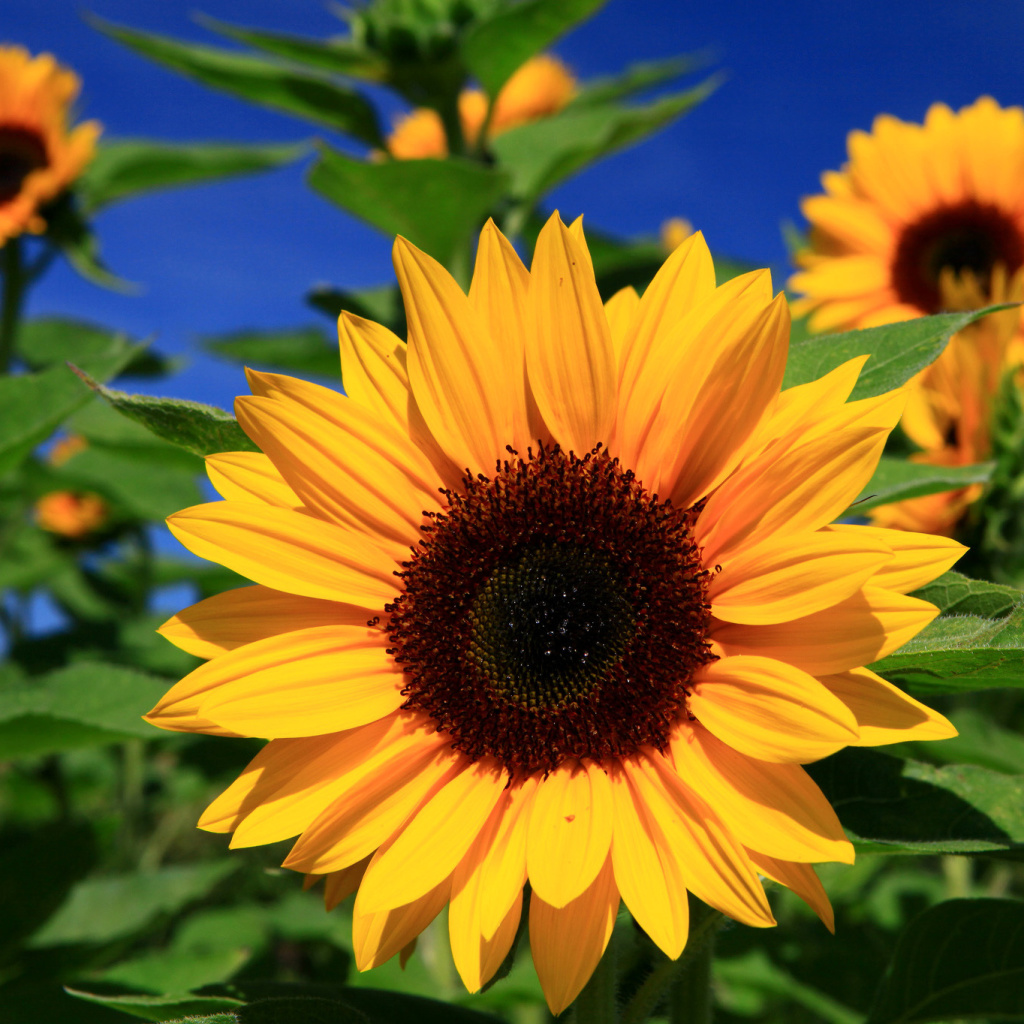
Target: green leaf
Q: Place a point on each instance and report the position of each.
(44, 341)
(955, 594)
(960, 653)
(165, 1008)
(381, 304)
(889, 805)
(962, 959)
(73, 235)
(494, 48)
(176, 970)
(36, 875)
(897, 351)
(268, 83)
(637, 78)
(438, 205)
(201, 429)
(129, 167)
(980, 741)
(302, 1010)
(34, 405)
(897, 480)
(306, 350)
(103, 909)
(84, 704)
(545, 152)
(337, 56)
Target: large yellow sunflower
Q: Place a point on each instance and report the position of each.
(552, 596)
(540, 88)
(925, 219)
(39, 155)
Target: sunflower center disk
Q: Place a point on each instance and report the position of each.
(555, 610)
(21, 153)
(970, 236)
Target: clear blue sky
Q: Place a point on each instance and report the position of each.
(242, 254)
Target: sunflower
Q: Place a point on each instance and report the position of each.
(540, 88)
(540, 601)
(39, 156)
(925, 219)
(71, 514)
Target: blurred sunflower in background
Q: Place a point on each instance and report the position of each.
(540, 602)
(926, 219)
(540, 88)
(40, 154)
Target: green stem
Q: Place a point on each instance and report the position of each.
(598, 1002)
(10, 308)
(686, 980)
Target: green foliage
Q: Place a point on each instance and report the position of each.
(896, 480)
(897, 351)
(437, 204)
(129, 167)
(963, 959)
(310, 97)
(305, 350)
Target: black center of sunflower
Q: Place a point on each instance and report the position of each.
(555, 610)
(970, 236)
(21, 152)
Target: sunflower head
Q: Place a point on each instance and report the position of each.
(40, 155)
(540, 601)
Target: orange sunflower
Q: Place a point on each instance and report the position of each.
(540, 88)
(925, 219)
(540, 601)
(39, 155)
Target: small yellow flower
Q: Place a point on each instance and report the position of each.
(66, 448)
(39, 155)
(71, 514)
(674, 232)
(540, 88)
(541, 601)
(925, 219)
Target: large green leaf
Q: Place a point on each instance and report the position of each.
(898, 479)
(201, 429)
(979, 741)
(962, 960)
(165, 1008)
(84, 704)
(960, 653)
(955, 594)
(307, 350)
(269, 83)
(897, 351)
(34, 405)
(127, 167)
(44, 341)
(338, 56)
(890, 805)
(636, 79)
(493, 48)
(545, 152)
(438, 205)
(103, 909)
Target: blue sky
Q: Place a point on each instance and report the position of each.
(242, 254)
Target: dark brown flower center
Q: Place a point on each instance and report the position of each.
(970, 236)
(555, 610)
(21, 152)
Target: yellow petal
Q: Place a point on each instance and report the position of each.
(646, 876)
(884, 713)
(569, 357)
(786, 579)
(712, 864)
(237, 617)
(776, 809)
(620, 310)
(865, 627)
(499, 292)
(567, 942)
(462, 381)
(431, 844)
(770, 710)
(918, 558)
(373, 368)
(570, 831)
(372, 807)
(289, 551)
(377, 935)
(249, 476)
(802, 880)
